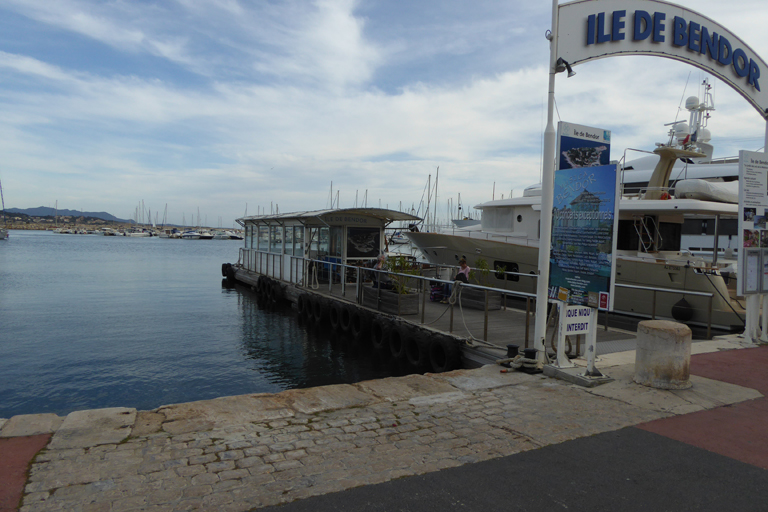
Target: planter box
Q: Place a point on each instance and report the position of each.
(391, 302)
(475, 299)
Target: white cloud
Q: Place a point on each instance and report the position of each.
(219, 104)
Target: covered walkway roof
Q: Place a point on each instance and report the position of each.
(382, 214)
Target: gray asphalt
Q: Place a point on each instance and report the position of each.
(624, 470)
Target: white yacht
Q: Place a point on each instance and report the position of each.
(650, 245)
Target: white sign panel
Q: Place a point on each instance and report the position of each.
(753, 212)
(577, 320)
(593, 29)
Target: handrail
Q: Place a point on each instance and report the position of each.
(301, 280)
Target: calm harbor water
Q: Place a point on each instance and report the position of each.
(88, 322)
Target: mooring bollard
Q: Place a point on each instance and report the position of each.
(663, 356)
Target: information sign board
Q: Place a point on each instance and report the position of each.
(753, 232)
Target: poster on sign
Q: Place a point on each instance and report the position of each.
(584, 219)
(753, 211)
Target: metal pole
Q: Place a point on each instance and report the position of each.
(716, 245)
(547, 198)
(527, 319)
(485, 324)
(423, 298)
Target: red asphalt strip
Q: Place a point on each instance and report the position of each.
(15, 455)
(738, 431)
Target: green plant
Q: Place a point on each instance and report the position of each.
(484, 269)
(402, 265)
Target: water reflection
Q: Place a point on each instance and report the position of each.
(293, 352)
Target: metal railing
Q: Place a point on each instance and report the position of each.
(308, 273)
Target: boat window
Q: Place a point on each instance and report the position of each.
(505, 266)
(519, 218)
(275, 239)
(498, 218)
(248, 237)
(670, 232)
(323, 242)
(263, 239)
(289, 240)
(298, 240)
(335, 242)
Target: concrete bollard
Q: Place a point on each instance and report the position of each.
(663, 356)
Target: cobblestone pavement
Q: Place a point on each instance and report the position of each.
(248, 452)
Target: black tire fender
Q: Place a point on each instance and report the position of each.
(380, 333)
(398, 341)
(319, 309)
(444, 354)
(345, 317)
(301, 304)
(334, 315)
(360, 324)
(417, 350)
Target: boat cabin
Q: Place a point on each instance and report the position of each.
(283, 245)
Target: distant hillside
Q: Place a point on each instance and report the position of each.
(44, 211)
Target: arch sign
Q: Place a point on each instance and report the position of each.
(593, 29)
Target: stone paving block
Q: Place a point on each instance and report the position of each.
(703, 394)
(487, 377)
(314, 400)
(30, 425)
(83, 429)
(226, 411)
(396, 389)
(147, 422)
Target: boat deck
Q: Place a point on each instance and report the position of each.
(489, 334)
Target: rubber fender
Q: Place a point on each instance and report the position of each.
(417, 350)
(309, 300)
(444, 353)
(380, 328)
(277, 291)
(301, 304)
(345, 318)
(260, 286)
(682, 311)
(334, 315)
(224, 267)
(230, 273)
(398, 340)
(319, 309)
(360, 324)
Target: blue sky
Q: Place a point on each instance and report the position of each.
(215, 105)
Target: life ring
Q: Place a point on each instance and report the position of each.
(665, 195)
(380, 333)
(360, 324)
(444, 354)
(398, 341)
(417, 351)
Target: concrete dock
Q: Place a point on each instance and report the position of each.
(324, 448)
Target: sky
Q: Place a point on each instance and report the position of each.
(228, 107)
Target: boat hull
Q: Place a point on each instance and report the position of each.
(447, 249)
